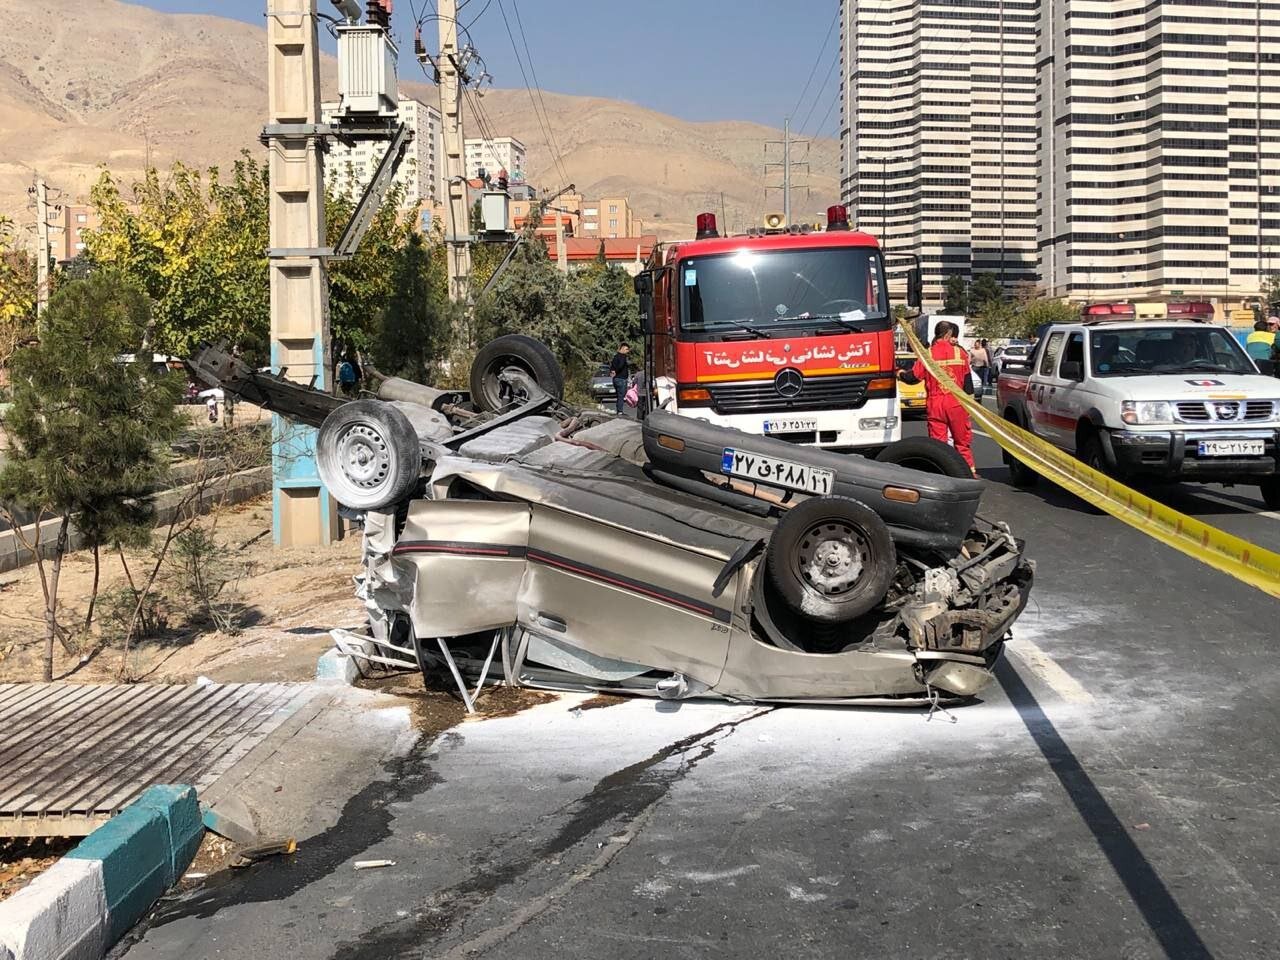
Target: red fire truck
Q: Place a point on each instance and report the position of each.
(784, 332)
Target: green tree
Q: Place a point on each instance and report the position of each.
(1042, 310)
(611, 311)
(196, 245)
(17, 293)
(1271, 294)
(984, 292)
(414, 335)
(87, 430)
(956, 295)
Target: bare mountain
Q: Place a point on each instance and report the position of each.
(91, 83)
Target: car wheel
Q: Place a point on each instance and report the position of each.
(926, 455)
(368, 455)
(518, 352)
(1089, 452)
(1270, 488)
(831, 559)
(1020, 475)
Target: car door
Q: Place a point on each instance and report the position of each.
(1068, 399)
(1042, 388)
(623, 597)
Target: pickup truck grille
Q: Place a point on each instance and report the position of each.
(816, 393)
(1224, 411)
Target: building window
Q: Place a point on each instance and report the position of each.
(613, 224)
(613, 208)
(591, 212)
(82, 218)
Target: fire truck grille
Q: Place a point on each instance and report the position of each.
(816, 393)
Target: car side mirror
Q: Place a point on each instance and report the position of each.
(643, 284)
(1072, 370)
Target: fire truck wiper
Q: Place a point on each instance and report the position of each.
(851, 327)
(754, 331)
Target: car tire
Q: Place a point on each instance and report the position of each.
(1270, 488)
(531, 356)
(1020, 475)
(1089, 452)
(926, 455)
(862, 559)
(368, 455)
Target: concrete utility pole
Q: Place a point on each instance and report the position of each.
(303, 513)
(458, 224)
(42, 246)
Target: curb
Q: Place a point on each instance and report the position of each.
(84, 903)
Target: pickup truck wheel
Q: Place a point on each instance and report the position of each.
(519, 352)
(368, 455)
(831, 559)
(1020, 475)
(926, 455)
(1089, 452)
(1271, 492)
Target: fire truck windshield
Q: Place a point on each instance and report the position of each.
(763, 292)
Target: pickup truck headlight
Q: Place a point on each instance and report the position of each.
(1146, 411)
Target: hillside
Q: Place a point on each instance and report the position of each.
(88, 83)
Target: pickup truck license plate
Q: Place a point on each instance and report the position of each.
(790, 426)
(779, 473)
(1231, 448)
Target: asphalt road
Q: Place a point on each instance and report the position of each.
(1115, 795)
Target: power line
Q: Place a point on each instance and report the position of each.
(795, 111)
(830, 70)
(538, 85)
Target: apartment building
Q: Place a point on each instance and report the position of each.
(607, 217)
(494, 156)
(421, 173)
(68, 240)
(1159, 148)
(938, 133)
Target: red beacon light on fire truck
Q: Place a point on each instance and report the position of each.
(707, 226)
(1108, 310)
(837, 217)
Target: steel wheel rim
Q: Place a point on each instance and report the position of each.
(365, 457)
(831, 557)
(498, 393)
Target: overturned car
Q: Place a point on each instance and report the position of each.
(508, 534)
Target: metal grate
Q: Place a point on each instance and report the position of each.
(816, 393)
(72, 755)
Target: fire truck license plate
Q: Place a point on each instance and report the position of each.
(776, 472)
(790, 426)
(1231, 448)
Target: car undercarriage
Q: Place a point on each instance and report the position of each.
(510, 536)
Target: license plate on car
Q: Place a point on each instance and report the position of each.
(790, 426)
(1231, 448)
(777, 472)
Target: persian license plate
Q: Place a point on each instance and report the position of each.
(790, 425)
(777, 472)
(1231, 448)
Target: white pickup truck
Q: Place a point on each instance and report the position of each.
(1169, 400)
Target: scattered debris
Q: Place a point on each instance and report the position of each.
(373, 864)
(273, 848)
(22, 860)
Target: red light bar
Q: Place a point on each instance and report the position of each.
(707, 226)
(1109, 310)
(837, 217)
(1195, 308)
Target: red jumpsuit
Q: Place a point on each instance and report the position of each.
(944, 412)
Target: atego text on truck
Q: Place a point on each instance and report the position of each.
(781, 332)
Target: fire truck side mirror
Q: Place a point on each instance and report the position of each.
(644, 291)
(915, 288)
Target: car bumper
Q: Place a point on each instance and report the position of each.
(1174, 454)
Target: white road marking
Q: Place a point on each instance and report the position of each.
(1048, 671)
(1243, 507)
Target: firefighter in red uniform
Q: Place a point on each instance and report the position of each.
(946, 415)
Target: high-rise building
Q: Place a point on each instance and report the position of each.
(1160, 147)
(494, 156)
(350, 168)
(938, 129)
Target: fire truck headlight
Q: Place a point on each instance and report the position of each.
(878, 423)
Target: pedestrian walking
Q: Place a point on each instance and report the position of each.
(946, 416)
(1260, 344)
(981, 356)
(620, 371)
(347, 378)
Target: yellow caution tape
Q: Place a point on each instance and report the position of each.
(1243, 560)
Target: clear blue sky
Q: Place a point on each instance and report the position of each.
(697, 59)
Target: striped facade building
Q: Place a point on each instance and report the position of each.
(1160, 147)
(938, 133)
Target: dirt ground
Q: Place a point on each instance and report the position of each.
(290, 598)
(21, 861)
